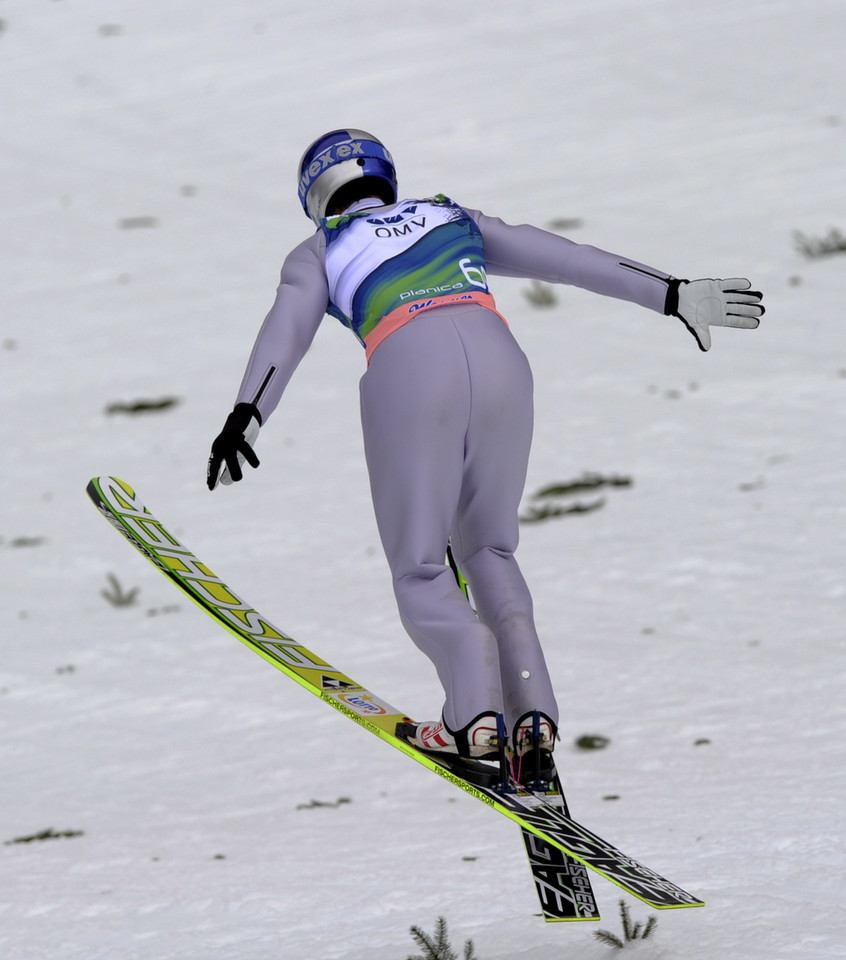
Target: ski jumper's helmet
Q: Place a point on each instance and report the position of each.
(336, 159)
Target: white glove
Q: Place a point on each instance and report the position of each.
(717, 303)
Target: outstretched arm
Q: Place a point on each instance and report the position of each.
(527, 251)
(288, 329)
(282, 342)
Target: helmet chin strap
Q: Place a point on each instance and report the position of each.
(364, 204)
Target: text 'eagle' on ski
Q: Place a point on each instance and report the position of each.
(559, 848)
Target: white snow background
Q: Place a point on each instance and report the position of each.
(147, 176)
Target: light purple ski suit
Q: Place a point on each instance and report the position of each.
(446, 410)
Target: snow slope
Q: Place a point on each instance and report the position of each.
(147, 184)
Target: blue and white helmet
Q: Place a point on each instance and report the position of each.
(338, 158)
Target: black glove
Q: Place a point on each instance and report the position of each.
(701, 304)
(234, 445)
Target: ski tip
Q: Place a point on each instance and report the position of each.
(98, 486)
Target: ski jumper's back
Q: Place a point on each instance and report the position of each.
(376, 267)
(384, 268)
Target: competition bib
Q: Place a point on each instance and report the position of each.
(385, 267)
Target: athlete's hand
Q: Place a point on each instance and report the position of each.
(716, 303)
(234, 445)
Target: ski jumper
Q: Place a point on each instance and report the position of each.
(446, 412)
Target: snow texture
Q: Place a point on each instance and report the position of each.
(147, 175)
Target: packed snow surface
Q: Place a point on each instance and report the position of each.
(193, 802)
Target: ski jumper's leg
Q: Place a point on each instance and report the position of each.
(485, 533)
(415, 409)
(447, 418)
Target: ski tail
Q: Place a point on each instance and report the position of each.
(562, 883)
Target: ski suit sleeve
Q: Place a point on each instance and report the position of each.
(535, 254)
(289, 328)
